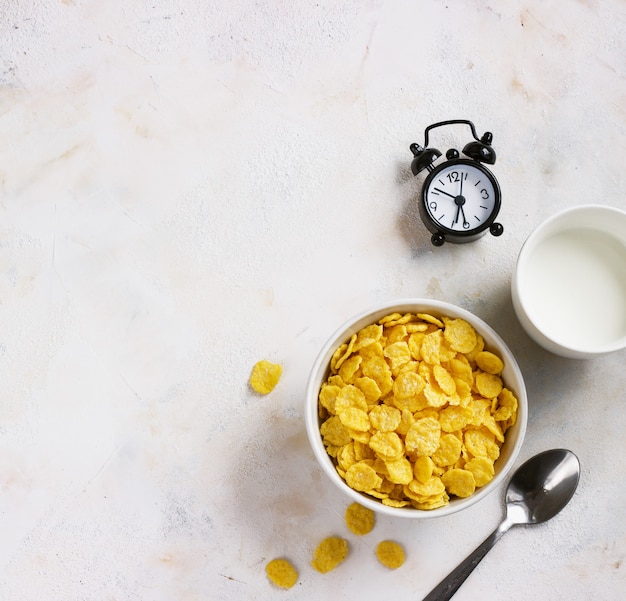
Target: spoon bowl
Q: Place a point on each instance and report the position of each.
(537, 491)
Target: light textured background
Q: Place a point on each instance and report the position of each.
(189, 187)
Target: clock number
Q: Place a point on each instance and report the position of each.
(453, 176)
(433, 205)
(484, 194)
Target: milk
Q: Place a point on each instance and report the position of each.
(576, 288)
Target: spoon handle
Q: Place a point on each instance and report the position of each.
(452, 582)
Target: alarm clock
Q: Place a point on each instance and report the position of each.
(460, 197)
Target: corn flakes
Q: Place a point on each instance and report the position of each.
(282, 573)
(329, 554)
(265, 375)
(390, 554)
(414, 410)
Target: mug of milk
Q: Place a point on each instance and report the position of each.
(569, 283)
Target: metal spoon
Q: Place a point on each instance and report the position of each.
(538, 490)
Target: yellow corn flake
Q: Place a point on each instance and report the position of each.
(423, 436)
(377, 369)
(431, 344)
(432, 503)
(400, 320)
(362, 450)
(481, 443)
(347, 352)
(453, 418)
(396, 333)
(493, 427)
(387, 445)
(346, 456)
(350, 367)
(369, 388)
(423, 468)
(329, 554)
(362, 476)
(394, 503)
(461, 370)
(435, 396)
(480, 346)
(415, 345)
(390, 554)
(337, 355)
(367, 336)
(445, 380)
(355, 419)
(350, 396)
(334, 432)
(415, 410)
(488, 385)
(448, 452)
(398, 354)
(412, 328)
(488, 362)
(507, 405)
(265, 375)
(392, 317)
(459, 482)
(385, 418)
(328, 396)
(400, 471)
(281, 573)
(482, 469)
(408, 384)
(464, 392)
(430, 319)
(460, 335)
(360, 520)
(433, 487)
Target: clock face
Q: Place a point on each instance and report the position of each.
(461, 196)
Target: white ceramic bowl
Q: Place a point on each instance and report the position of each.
(569, 283)
(511, 375)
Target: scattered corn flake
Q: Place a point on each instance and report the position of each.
(329, 554)
(282, 573)
(360, 520)
(390, 554)
(265, 375)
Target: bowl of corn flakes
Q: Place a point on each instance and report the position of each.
(416, 408)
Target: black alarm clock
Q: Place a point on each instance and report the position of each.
(460, 197)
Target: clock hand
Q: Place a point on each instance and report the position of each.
(465, 221)
(444, 192)
(456, 217)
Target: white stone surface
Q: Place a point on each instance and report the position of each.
(189, 187)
